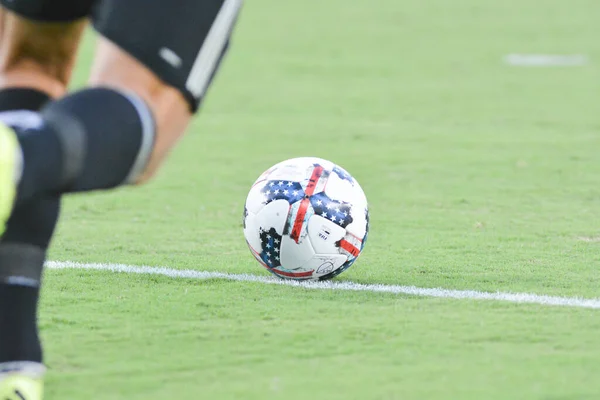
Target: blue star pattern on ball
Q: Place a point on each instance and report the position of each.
(270, 243)
(333, 210)
(343, 174)
(282, 190)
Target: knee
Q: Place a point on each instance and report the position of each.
(45, 62)
(116, 69)
(169, 113)
(25, 67)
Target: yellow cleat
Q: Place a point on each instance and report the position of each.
(20, 387)
(9, 164)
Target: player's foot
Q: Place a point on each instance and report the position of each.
(9, 160)
(20, 387)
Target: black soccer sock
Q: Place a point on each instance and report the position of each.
(94, 139)
(15, 99)
(23, 247)
(22, 255)
(19, 339)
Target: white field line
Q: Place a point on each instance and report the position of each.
(529, 298)
(546, 60)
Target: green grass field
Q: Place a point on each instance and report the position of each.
(479, 176)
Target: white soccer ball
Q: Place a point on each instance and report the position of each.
(306, 218)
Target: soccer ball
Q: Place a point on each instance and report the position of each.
(306, 218)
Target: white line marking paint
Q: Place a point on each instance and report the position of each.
(528, 298)
(546, 60)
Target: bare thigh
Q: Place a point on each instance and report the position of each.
(38, 55)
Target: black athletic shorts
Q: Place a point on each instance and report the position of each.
(182, 41)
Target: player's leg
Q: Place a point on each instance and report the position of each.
(116, 69)
(103, 137)
(36, 60)
(173, 69)
(37, 55)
